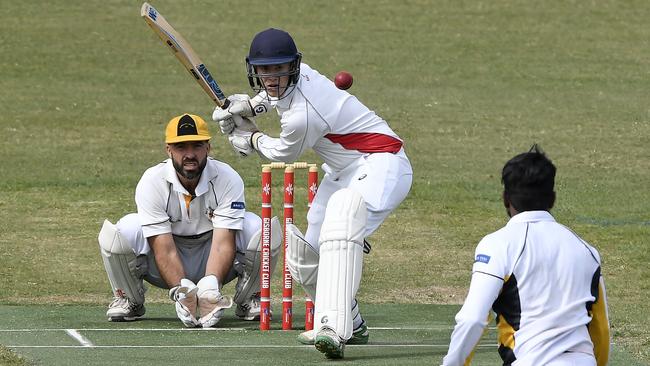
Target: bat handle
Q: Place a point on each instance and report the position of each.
(226, 103)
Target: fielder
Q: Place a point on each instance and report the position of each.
(541, 279)
(191, 235)
(367, 175)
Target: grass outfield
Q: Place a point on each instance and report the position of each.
(87, 89)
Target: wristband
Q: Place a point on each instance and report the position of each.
(254, 137)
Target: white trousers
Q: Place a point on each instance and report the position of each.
(193, 252)
(383, 179)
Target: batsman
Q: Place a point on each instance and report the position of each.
(367, 175)
(191, 235)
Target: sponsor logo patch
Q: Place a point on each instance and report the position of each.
(259, 109)
(210, 81)
(483, 258)
(238, 205)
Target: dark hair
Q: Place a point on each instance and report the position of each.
(528, 180)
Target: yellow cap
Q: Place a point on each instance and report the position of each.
(187, 127)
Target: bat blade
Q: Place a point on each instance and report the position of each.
(183, 52)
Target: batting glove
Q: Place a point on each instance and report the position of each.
(241, 142)
(245, 142)
(185, 299)
(241, 105)
(228, 125)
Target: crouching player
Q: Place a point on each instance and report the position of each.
(367, 175)
(191, 235)
(542, 280)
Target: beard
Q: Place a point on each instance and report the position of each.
(193, 174)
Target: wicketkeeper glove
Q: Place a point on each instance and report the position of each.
(185, 299)
(211, 302)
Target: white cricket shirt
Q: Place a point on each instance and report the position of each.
(165, 206)
(542, 281)
(334, 123)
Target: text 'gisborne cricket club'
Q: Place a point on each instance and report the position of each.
(266, 252)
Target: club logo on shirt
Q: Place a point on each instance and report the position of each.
(483, 258)
(238, 205)
(210, 212)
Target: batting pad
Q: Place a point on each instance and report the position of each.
(341, 261)
(121, 264)
(249, 277)
(302, 260)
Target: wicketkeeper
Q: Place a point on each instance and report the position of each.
(191, 235)
(367, 175)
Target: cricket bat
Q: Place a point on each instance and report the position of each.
(183, 52)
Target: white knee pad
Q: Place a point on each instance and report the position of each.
(124, 269)
(341, 261)
(302, 260)
(249, 274)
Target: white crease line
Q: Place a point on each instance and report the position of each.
(258, 346)
(199, 329)
(442, 327)
(127, 329)
(79, 338)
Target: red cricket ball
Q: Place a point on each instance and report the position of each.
(343, 80)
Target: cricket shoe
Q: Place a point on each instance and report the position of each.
(359, 336)
(328, 343)
(250, 310)
(122, 310)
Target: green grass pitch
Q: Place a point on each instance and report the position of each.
(401, 334)
(87, 89)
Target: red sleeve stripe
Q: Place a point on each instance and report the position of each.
(367, 142)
